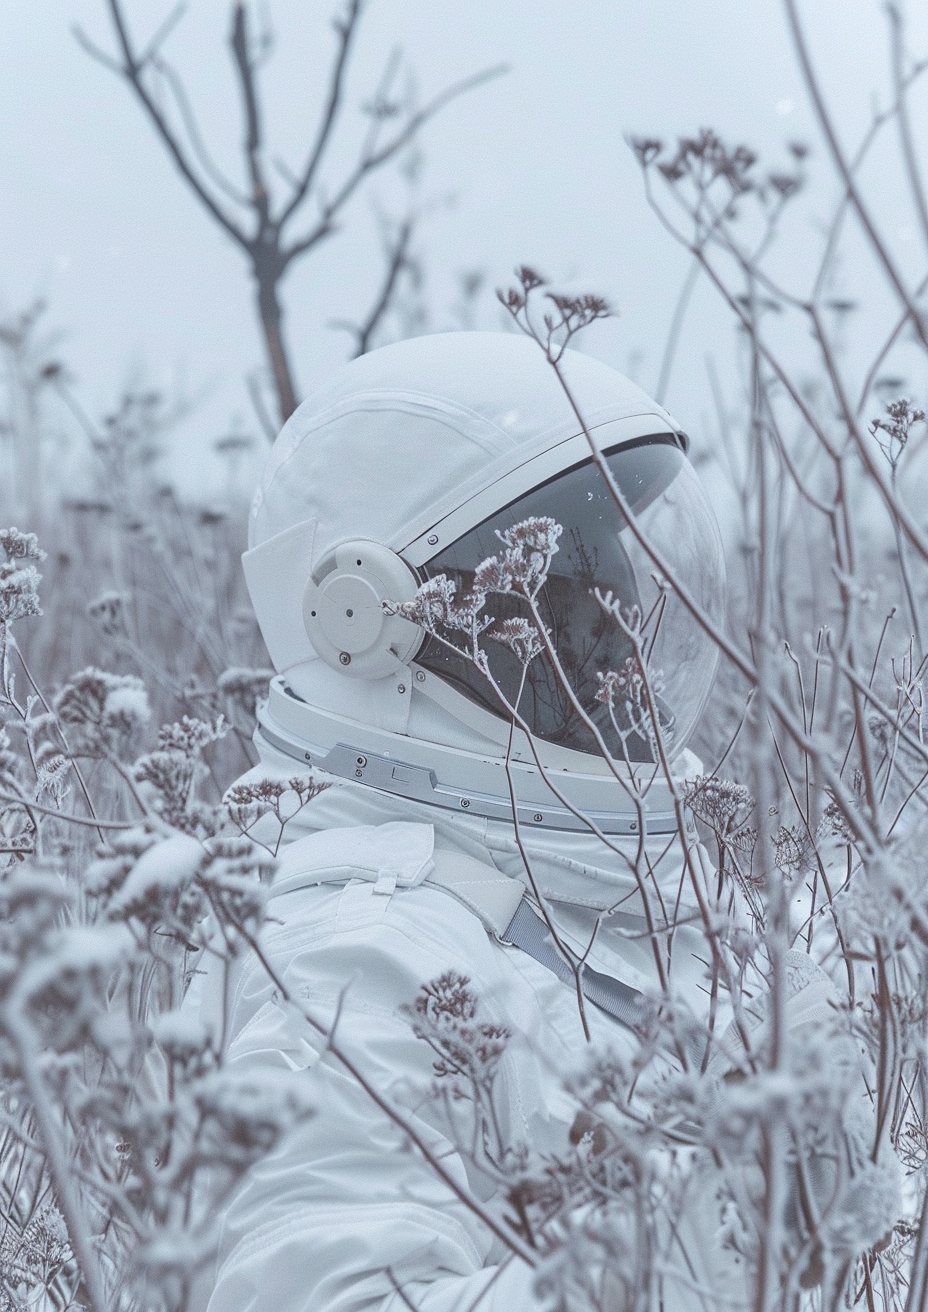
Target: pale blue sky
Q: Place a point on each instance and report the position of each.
(93, 217)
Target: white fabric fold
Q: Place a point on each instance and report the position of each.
(363, 852)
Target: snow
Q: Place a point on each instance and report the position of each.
(180, 1030)
(81, 950)
(169, 864)
(129, 701)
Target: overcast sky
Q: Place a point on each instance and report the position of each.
(533, 168)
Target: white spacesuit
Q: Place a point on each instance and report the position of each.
(405, 466)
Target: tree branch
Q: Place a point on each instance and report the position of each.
(398, 259)
(906, 141)
(262, 241)
(837, 154)
(253, 134)
(132, 69)
(192, 128)
(347, 29)
(375, 160)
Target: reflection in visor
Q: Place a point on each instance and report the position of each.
(594, 552)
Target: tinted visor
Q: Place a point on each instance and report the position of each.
(597, 551)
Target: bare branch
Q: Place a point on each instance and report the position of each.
(370, 162)
(94, 51)
(259, 234)
(673, 335)
(253, 385)
(346, 28)
(132, 69)
(10, 799)
(903, 121)
(396, 250)
(192, 128)
(837, 154)
(893, 503)
(162, 33)
(885, 350)
(252, 144)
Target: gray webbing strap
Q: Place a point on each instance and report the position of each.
(529, 932)
(500, 903)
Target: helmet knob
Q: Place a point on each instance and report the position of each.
(344, 616)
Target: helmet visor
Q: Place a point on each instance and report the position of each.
(594, 655)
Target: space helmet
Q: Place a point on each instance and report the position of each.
(419, 467)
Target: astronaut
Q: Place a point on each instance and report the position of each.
(451, 838)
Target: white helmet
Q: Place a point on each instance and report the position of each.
(409, 463)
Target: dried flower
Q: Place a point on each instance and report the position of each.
(161, 892)
(432, 605)
(794, 851)
(493, 575)
(105, 712)
(247, 803)
(108, 611)
(244, 687)
(530, 547)
(630, 691)
(19, 578)
(190, 735)
(236, 877)
(20, 546)
(108, 873)
(721, 804)
(628, 684)
(893, 433)
(31, 1258)
(467, 1050)
(173, 772)
(185, 1041)
(435, 607)
(521, 636)
(833, 823)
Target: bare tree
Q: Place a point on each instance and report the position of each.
(273, 230)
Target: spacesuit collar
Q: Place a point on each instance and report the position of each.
(571, 868)
(556, 789)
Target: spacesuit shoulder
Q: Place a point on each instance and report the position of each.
(401, 849)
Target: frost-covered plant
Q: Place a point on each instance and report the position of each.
(893, 432)
(173, 772)
(253, 803)
(105, 713)
(19, 578)
(155, 1131)
(121, 1129)
(467, 1052)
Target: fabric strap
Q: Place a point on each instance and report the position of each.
(501, 904)
(529, 932)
